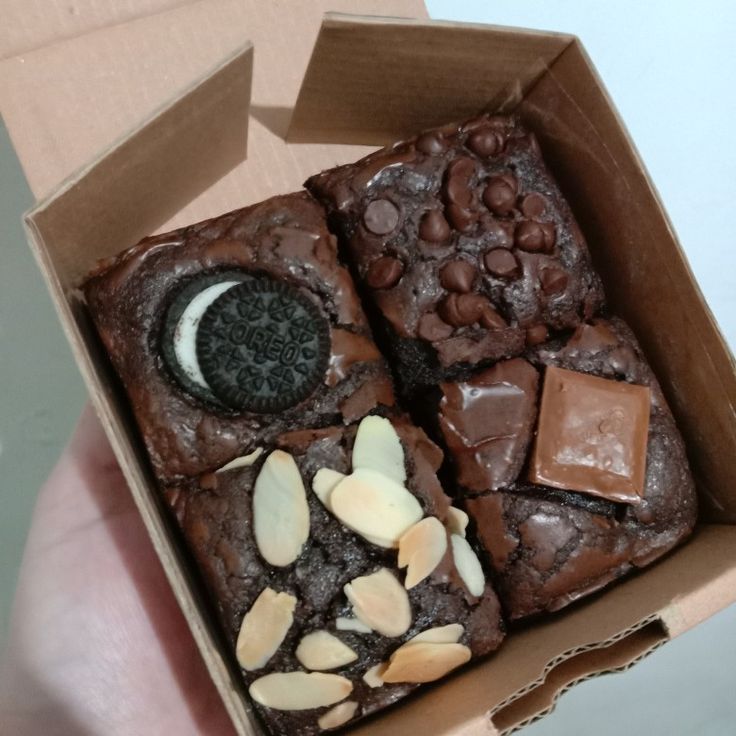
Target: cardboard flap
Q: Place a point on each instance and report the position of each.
(30, 24)
(373, 80)
(150, 175)
(615, 656)
(646, 274)
(130, 62)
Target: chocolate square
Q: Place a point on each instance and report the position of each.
(592, 436)
(487, 423)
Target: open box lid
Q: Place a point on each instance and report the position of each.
(604, 633)
(132, 57)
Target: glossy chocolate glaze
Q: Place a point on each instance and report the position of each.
(284, 237)
(550, 547)
(477, 235)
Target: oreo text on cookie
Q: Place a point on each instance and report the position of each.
(263, 346)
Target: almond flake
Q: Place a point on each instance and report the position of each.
(457, 521)
(378, 447)
(345, 623)
(424, 661)
(324, 482)
(376, 507)
(280, 510)
(264, 628)
(337, 716)
(299, 690)
(373, 677)
(468, 565)
(449, 634)
(320, 650)
(245, 461)
(381, 602)
(421, 549)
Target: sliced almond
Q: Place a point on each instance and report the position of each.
(468, 565)
(345, 623)
(299, 690)
(338, 715)
(264, 627)
(449, 634)
(375, 506)
(373, 677)
(324, 482)
(381, 602)
(457, 521)
(320, 650)
(245, 461)
(424, 662)
(421, 549)
(280, 511)
(378, 447)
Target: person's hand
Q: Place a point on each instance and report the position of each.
(97, 644)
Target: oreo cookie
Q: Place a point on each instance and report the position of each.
(263, 346)
(178, 333)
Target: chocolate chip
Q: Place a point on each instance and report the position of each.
(491, 319)
(458, 276)
(622, 360)
(457, 191)
(434, 227)
(381, 216)
(536, 334)
(263, 346)
(462, 219)
(534, 236)
(500, 194)
(384, 272)
(533, 205)
(485, 142)
(462, 166)
(432, 328)
(460, 310)
(431, 143)
(553, 280)
(502, 263)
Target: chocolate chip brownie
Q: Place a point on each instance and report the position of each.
(464, 244)
(340, 572)
(605, 489)
(182, 313)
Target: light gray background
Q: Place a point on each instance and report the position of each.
(671, 67)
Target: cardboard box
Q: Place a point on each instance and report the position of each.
(369, 81)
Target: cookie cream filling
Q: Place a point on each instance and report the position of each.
(185, 334)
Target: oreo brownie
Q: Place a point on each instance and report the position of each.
(340, 572)
(229, 332)
(606, 486)
(464, 244)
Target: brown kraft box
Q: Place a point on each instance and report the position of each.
(371, 80)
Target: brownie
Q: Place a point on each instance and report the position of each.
(464, 245)
(571, 521)
(280, 289)
(221, 530)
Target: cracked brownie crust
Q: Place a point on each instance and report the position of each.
(549, 547)
(463, 243)
(218, 526)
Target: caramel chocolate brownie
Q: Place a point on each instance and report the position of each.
(464, 244)
(229, 332)
(339, 571)
(604, 486)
